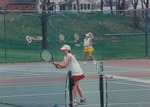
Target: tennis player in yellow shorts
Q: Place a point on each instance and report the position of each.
(88, 49)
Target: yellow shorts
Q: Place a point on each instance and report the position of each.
(88, 49)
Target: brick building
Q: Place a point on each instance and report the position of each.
(54, 5)
(3, 4)
(22, 5)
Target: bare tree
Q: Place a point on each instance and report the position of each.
(142, 5)
(111, 9)
(78, 6)
(44, 20)
(146, 2)
(120, 5)
(118, 2)
(123, 6)
(136, 19)
(135, 3)
(46, 5)
(102, 5)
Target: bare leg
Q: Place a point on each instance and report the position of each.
(85, 54)
(80, 91)
(90, 53)
(76, 89)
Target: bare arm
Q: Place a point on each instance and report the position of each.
(63, 64)
(90, 42)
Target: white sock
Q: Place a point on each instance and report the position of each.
(74, 100)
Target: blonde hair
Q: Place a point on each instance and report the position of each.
(87, 35)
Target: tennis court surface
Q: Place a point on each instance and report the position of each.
(126, 84)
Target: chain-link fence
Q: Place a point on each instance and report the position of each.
(128, 35)
(117, 34)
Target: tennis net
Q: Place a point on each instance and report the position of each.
(121, 91)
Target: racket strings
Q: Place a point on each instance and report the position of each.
(46, 56)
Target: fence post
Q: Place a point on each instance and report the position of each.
(5, 36)
(146, 33)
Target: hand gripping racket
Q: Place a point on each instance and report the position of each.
(47, 56)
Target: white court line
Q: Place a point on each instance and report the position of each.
(46, 94)
(31, 72)
(31, 95)
(128, 90)
(128, 68)
(30, 84)
(23, 72)
(129, 103)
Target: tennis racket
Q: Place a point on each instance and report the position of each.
(91, 35)
(47, 56)
(28, 39)
(76, 37)
(61, 37)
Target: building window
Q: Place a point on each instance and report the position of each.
(74, 6)
(40, 7)
(81, 6)
(62, 7)
(33, 6)
(89, 7)
(85, 7)
(70, 7)
(26, 6)
(16, 7)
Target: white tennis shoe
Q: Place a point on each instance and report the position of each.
(94, 62)
(84, 63)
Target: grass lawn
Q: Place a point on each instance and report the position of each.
(18, 26)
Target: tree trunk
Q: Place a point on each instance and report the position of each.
(44, 20)
(78, 6)
(111, 9)
(142, 8)
(135, 18)
(118, 6)
(102, 4)
(146, 3)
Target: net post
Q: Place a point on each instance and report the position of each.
(146, 33)
(70, 89)
(101, 85)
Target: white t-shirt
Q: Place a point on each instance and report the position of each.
(73, 65)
